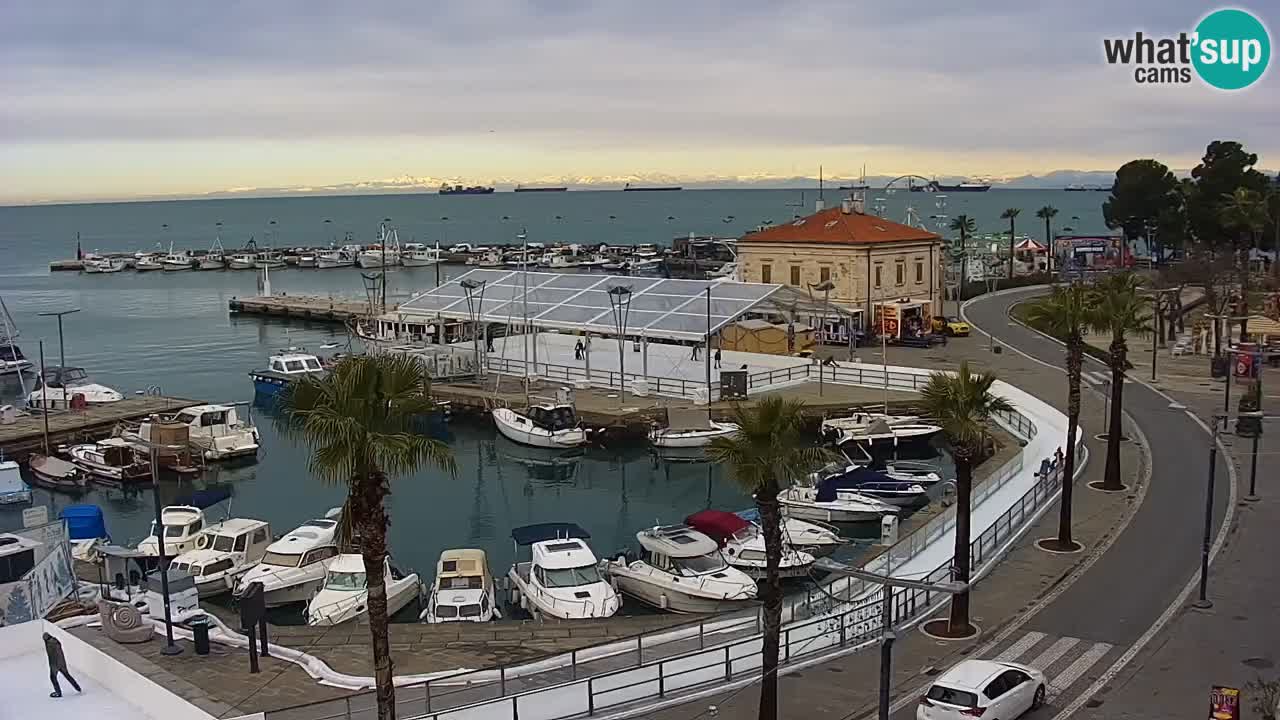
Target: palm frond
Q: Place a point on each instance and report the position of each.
(961, 403)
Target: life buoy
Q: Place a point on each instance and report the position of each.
(202, 542)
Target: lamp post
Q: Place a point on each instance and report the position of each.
(826, 287)
(1202, 601)
(1158, 337)
(620, 303)
(475, 306)
(170, 648)
(62, 354)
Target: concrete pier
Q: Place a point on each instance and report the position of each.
(302, 307)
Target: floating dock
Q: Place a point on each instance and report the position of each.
(74, 426)
(302, 307)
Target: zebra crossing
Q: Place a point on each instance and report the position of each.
(1063, 660)
(1097, 377)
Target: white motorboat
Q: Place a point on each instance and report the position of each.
(545, 425)
(216, 258)
(742, 544)
(177, 261)
(859, 481)
(345, 594)
(562, 578)
(827, 505)
(727, 271)
(834, 428)
(104, 265)
(689, 429)
(13, 489)
(419, 255)
(113, 460)
(293, 567)
(216, 431)
(148, 263)
(343, 257)
(816, 538)
(283, 369)
(385, 253)
(463, 590)
(58, 387)
(183, 524)
(12, 361)
(681, 570)
(880, 431)
(223, 552)
(269, 259)
(243, 261)
(489, 258)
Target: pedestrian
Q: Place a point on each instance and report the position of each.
(578, 349)
(695, 352)
(57, 664)
(488, 343)
(1057, 457)
(717, 358)
(1044, 468)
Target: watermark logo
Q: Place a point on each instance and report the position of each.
(1229, 50)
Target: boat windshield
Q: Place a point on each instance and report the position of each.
(174, 531)
(470, 582)
(281, 559)
(571, 577)
(345, 581)
(73, 376)
(223, 543)
(313, 364)
(701, 565)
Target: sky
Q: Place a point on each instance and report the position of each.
(123, 100)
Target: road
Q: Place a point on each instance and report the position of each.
(1084, 631)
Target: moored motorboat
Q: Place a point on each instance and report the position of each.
(55, 473)
(215, 259)
(689, 429)
(834, 428)
(269, 259)
(13, 489)
(827, 505)
(681, 570)
(217, 432)
(742, 544)
(113, 460)
(816, 538)
(345, 593)
(293, 567)
(545, 425)
(861, 481)
(283, 369)
(243, 261)
(182, 524)
(562, 578)
(57, 388)
(463, 589)
(880, 431)
(386, 253)
(12, 361)
(419, 255)
(343, 257)
(148, 263)
(177, 261)
(99, 266)
(223, 552)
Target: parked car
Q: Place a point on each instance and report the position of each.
(983, 688)
(950, 326)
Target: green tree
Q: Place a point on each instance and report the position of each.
(1046, 214)
(768, 453)
(1225, 167)
(1117, 309)
(1011, 214)
(964, 225)
(962, 403)
(1144, 193)
(359, 423)
(1245, 212)
(1064, 313)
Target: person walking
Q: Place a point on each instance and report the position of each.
(695, 352)
(57, 664)
(577, 350)
(717, 358)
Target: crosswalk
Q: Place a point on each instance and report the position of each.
(1063, 660)
(1097, 377)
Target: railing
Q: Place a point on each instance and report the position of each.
(678, 387)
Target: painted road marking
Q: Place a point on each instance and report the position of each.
(1072, 672)
(1055, 651)
(1025, 643)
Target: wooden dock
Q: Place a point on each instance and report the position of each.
(301, 307)
(73, 426)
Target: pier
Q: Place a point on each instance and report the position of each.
(301, 307)
(73, 426)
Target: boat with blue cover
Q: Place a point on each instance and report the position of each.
(283, 369)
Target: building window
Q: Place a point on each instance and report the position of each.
(919, 271)
(766, 273)
(824, 274)
(878, 268)
(795, 275)
(901, 273)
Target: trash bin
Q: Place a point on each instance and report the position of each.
(200, 633)
(1219, 366)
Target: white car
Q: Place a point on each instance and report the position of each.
(987, 689)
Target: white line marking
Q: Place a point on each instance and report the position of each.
(1025, 643)
(1055, 651)
(1072, 672)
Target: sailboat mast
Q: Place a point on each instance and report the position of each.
(524, 301)
(707, 351)
(44, 398)
(10, 332)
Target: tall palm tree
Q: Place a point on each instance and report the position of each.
(961, 403)
(1046, 213)
(1010, 214)
(964, 225)
(767, 453)
(358, 421)
(1244, 210)
(1064, 313)
(1116, 308)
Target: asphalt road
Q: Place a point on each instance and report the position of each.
(1090, 625)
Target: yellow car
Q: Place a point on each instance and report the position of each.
(950, 326)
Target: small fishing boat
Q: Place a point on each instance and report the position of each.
(880, 431)
(58, 387)
(269, 259)
(113, 460)
(834, 428)
(177, 261)
(87, 531)
(683, 571)
(308, 260)
(463, 590)
(216, 431)
(562, 578)
(343, 257)
(824, 503)
(215, 259)
(816, 538)
(345, 593)
(293, 567)
(689, 429)
(419, 255)
(148, 263)
(545, 425)
(13, 489)
(283, 369)
(104, 266)
(243, 261)
(55, 473)
(385, 253)
(223, 552)
(742, 544)
(182, 524)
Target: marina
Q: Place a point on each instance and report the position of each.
(26, 434)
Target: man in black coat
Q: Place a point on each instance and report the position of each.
(57, 664)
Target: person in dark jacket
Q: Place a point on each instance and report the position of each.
(57, 664)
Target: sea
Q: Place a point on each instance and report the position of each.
(172, 332)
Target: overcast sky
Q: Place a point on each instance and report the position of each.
(128, 99)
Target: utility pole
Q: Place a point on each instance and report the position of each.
(170, 648)
(62, 352)
(1203, 601)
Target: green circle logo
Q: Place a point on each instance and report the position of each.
(1231, 49)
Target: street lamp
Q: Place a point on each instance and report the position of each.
(620, 303)
(62, 355)
(475, 306)
(1158, 337)
(170, 648)
(1203, 601)
(826, 287)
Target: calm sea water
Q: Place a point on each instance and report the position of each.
(173, 330)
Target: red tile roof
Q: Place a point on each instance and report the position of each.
(834, 226)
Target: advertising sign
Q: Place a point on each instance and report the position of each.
(1224, 703)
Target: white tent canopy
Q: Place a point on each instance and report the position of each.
(659, 308)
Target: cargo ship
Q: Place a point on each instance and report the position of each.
(937, 187)
(448, 189)
(650, 188)
(521, 188)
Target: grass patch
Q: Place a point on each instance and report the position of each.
(1022, 313)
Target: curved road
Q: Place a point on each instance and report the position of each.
(1086, 630)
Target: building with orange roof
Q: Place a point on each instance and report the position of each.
(867, 259)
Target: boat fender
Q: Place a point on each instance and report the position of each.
(662, 601)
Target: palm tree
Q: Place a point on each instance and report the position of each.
(358, 422)
(1046, 213)
(1064, 313)
(1246, 211)
(1010, 214)
(767, 453)
(1115, 307)
(964, 225)
(961, 403)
